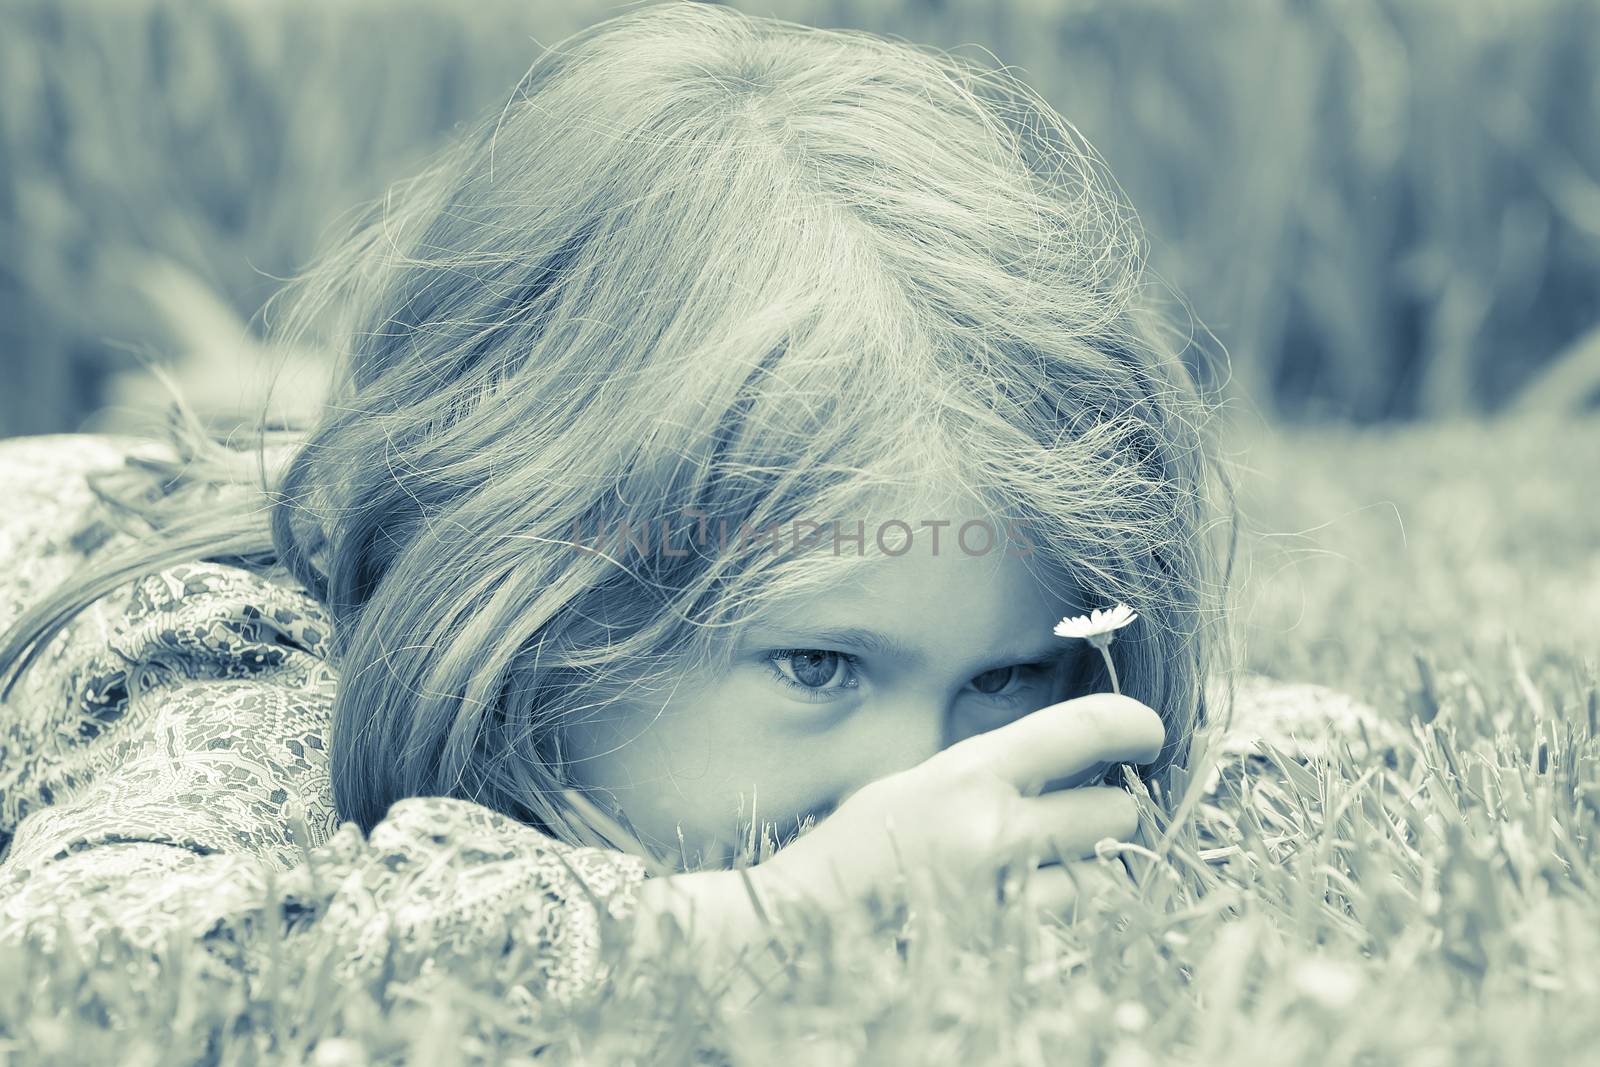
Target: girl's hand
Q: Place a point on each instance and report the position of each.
(976, 809)
(1067, 890)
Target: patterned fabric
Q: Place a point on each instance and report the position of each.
(157, 761)
(164, 769)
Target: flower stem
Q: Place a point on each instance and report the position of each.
(1105, 653)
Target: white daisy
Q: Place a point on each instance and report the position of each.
(1097, 626)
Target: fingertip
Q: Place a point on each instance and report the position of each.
(1119, 799)
(1148, 728)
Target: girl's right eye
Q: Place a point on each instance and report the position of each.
(814, 673)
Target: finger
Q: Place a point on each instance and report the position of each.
(1065, 825)
(1068, 890)
(1065, 738)
(1072, 781)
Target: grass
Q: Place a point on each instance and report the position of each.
(1434, 903)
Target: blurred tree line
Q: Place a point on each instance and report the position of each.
(1380, 208)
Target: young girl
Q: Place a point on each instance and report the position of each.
(520, 620)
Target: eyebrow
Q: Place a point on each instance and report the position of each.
(882, 644)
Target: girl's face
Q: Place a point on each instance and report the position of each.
(830, 691)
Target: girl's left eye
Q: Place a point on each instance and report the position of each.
(997, 681)
(1013, 684)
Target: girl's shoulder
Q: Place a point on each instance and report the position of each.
(51, 522)
(156, 646)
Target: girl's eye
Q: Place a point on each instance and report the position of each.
(816, 673)
(1012, 684)
(992, 682)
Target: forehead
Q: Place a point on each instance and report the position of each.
(925, 574)
(916, 560)
(952, 571)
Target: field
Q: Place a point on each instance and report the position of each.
(1380, 208)
(1385, 212)
(1432, 903)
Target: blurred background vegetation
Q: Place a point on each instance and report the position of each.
(1382, 209)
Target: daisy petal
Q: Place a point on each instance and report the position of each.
(1097, 622)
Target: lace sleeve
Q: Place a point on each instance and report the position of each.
(185, 822)
(439, 875)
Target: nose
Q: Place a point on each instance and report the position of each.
(886, 738)
(960, 726)
(964, 722)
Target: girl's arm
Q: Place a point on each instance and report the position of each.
(180, 819)
(438, 877)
